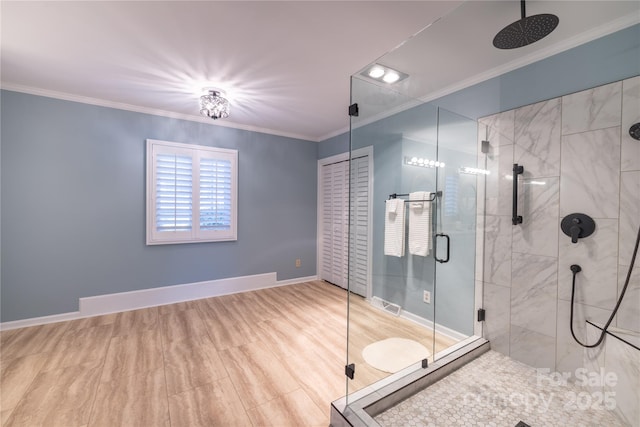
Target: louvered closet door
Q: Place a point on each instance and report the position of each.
(335, 224)
(339, 207)
(359, 248)
(326, 250)
(335, 200)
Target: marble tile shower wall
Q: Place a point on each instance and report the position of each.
(578, 157)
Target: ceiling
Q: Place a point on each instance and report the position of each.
(284, 65)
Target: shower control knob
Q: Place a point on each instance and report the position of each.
(575, 233)
(577, 226)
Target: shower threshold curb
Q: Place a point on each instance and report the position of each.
(384, 394)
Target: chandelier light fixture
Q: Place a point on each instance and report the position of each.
(214, 105)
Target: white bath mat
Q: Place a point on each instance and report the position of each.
(394, 354)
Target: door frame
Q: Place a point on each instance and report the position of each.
(360, 152)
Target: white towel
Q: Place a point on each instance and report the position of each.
(420, 224)
(394, 228)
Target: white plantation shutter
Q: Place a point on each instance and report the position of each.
(191, 193)
(215, 194)
(174, 182)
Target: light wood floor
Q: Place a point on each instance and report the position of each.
(269, 357)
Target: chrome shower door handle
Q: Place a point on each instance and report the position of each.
(446, 236)
(517, 170)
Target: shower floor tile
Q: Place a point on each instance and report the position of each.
(495, 390)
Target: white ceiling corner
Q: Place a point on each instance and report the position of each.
(285, 65)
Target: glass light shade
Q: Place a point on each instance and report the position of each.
(214, 106)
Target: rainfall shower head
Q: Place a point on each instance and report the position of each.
(634, 131)
(525, 31)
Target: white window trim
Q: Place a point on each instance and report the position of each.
(195, 235)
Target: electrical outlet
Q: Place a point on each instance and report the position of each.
(298, 263)
(426, 297)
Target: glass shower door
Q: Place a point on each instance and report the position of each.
(411, 275)
(456, 234)
(390, 326)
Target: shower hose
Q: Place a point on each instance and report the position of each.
(576, 269)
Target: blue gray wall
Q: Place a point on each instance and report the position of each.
(73, 205)
(402, 280)
(610, 58)
(336, 145)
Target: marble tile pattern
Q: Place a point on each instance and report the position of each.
(500, 128)
(590, 179)
(493, 188)
(630, 116)
(537, 138)
(538, 202)
(597, 255)
(628, 316)
(594, 168)
(624, 360)
(495, 390)
(496, 328)
(592, 109)
(569, 354)
(534, 289)
(629, 214)
(530, 347)
(497, 247)
(593, 358)
(499, 182)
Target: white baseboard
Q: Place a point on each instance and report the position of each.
(144, 298)
(296, 280)
(34, 321)
(124, 301)
(448, 332)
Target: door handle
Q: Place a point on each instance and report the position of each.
(517, 170)
(446, 236)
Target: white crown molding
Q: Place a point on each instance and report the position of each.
(570, 43)
(145, 110)
(337, 132)
(585, 37)
(578, 40)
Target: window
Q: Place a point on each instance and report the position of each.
(191, 193)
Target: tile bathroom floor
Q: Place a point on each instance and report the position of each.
(495, 390)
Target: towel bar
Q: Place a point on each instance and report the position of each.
(433, 197)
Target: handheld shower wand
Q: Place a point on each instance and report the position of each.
(575, 269)
(567, 223)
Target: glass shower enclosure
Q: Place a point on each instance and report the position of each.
(412, 233)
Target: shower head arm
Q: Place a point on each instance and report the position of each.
(523, 9)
